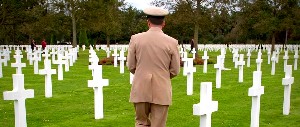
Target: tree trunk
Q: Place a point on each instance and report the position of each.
(74, 43)
(273, 42)
(196, 31)
(181, 42)
(107, 40)
(286, 37)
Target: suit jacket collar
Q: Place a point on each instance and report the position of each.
(155, 29)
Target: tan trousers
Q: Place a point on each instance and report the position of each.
(158, 115)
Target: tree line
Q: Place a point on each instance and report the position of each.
(114, 21)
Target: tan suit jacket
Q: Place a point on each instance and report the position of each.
(154, 59)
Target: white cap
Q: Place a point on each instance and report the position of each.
(156, 11)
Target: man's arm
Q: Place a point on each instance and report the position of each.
(131, 58)
(175, 62)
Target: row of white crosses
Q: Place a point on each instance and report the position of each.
(59, 62)
(19, 94)
(121, 57)
(4, 57)
(216, 47)
(97, 84)
(256, 91)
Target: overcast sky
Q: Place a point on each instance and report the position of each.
(139, 4)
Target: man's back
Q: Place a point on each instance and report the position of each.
(154, 58)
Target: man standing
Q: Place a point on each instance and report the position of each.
(32, 45)
(154, 59)
(192, 45)
(44, 43)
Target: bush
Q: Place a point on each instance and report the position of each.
(198, 61)
(106, 61)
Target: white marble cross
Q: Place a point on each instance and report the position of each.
(18, 63)
(193, 52)
(205, 58)
(71, 57)
(18, 95)
(107, 52)
(75, 51)
(184, 59)
(233, 55)
(218, 67)
(287, 83)
(296, 56)
(122, 59)
(249, 55)
(53, 54)
(273, 59)
(206, 107)
(222, 59)
(94, 63)
(269, 56)
(181, 52)
(241, 64)
(236, 58)
(83, 47)
(190, 75)
(1, 60)
(92, 54)
(46, 54)
(65, 57)
(47, 71)
(285, 58)
(30, 56)
(7, 56)
(97, 83)
(97, 47)
(36, 63)
(39, 54)
(115, 55)
(277, 55)
(259, 60)
(255, 92)
(60, 62)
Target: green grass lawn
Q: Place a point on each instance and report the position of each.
(72, 103)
